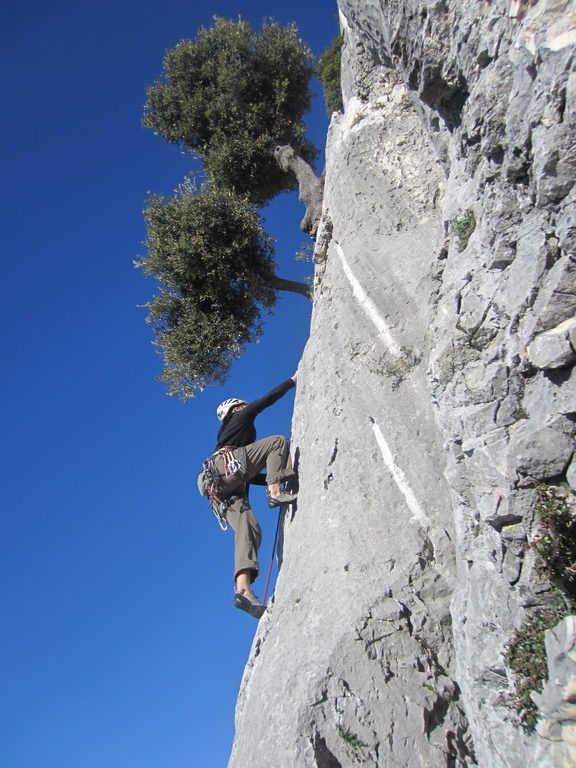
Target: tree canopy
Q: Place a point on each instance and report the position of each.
(229, 96)
(236, 98)
(215, 268)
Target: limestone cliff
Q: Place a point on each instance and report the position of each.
(436, 391)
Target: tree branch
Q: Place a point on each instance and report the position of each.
(281, 284)
(311, 186)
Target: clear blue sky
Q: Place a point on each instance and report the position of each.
(119, 645)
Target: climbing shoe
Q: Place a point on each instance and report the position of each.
(284, 498)
(247, 601)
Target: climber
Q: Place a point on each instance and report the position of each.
(237, 430)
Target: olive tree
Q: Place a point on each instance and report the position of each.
(215, 269)
(236, 99)
(231, 96)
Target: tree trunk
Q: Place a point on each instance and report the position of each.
(281, 284)
(311, 186)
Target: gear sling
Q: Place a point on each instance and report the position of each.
(211, 482)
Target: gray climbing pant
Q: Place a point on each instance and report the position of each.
(274, 454)
(247, 536)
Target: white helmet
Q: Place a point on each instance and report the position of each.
(224, 408)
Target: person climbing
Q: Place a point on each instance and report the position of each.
(237, 431)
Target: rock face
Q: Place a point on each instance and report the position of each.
(436, 391)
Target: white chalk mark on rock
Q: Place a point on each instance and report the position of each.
(368, 306)
(418, 513)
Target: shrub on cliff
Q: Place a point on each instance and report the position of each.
(554, 543)
(329, 75)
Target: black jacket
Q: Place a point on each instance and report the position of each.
(238, 428)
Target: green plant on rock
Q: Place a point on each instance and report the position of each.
(555, 539)
(350, 738)
(526, 655)
(396, 367)
(328, 69)
(462, 227)
(555, 545)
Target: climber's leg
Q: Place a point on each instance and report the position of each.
(273, 453)
(247, 539)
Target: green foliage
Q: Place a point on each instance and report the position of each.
(462, 226)
(328, 69)
(214, 264)
(396, 367)
(229, 96)
(526, 655)
(555, 540)
(305, 253)
(555, 545)
(350, 738)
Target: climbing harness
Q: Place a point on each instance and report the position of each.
(210, 480)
